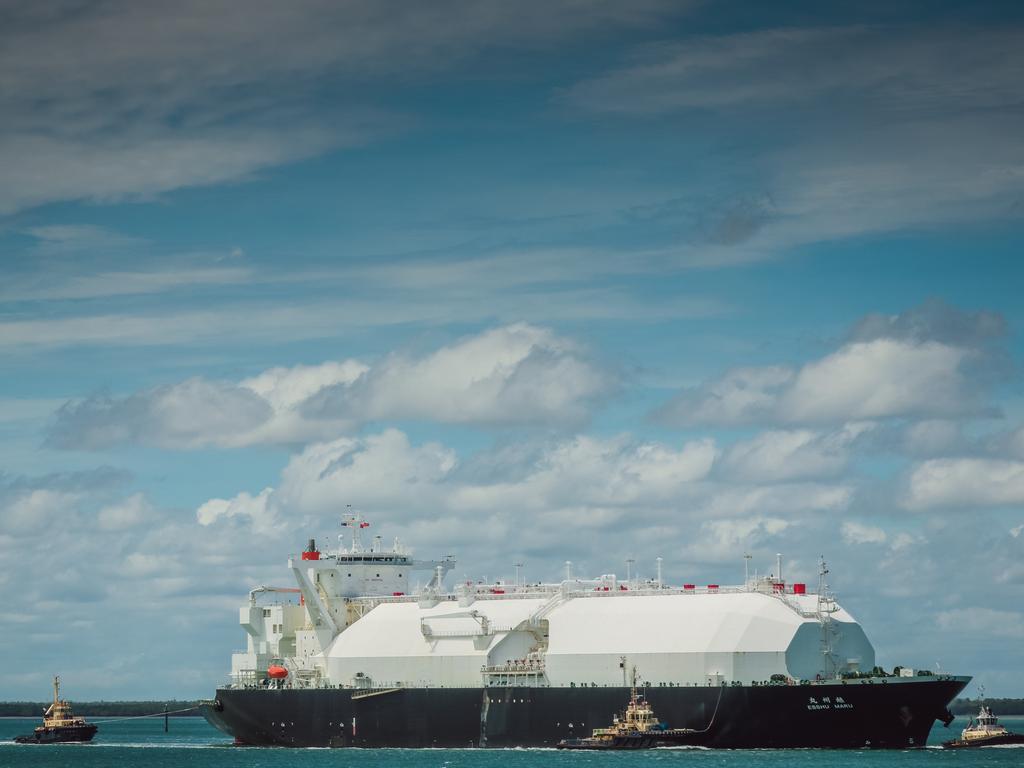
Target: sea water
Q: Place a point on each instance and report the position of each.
(192, 742)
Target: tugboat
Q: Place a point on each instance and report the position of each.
(984, 731)
(59, 724)
(636, 728)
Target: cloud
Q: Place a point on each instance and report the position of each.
(518, 374)
(127, 513)
(723, 539)
(115, 101)
(933, 69)
(254, 508)
(983, 621)
(740, 220)
(319, 317)
(584, 498)
(791, 499)
(37, 510)
(965, 482)
(386, 470)
(593, 500)
(850, 120)
(931, 362)
(383, 470)
(1011, 443)
(39, 504)
(597, 474)
(877, 379)
(514, 374)
(40, 169)
(122, 283)
(931, 437)
(861, 380)
(153, 574)
(858, 533)
(193, 413)
(779, 455)
(934, 320)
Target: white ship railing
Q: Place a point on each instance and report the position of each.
(555, 593)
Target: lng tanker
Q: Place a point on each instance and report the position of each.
(349, 657)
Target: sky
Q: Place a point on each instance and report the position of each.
(531, 282)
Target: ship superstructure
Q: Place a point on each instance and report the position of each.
(334, 592)
(353, 630)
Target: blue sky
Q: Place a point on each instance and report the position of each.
(524, 283)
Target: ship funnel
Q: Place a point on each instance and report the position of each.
(311, 553)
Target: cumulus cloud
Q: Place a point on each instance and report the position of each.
(189, 414)
(778, 455)
(517, 374)
(44, 503)
(590, 473)
(253, 508)
(793, 498)
(924, 363)
(127, 513)
(37, 509)
(152, 573)
(587, 499)
(742, 395)
(384, 470)
(583, 498)
(859, 533)
(387, 471)
(963, 482)
(724, 539)
(861, 380)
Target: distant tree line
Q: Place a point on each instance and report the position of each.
(101, 708)
(999, 706)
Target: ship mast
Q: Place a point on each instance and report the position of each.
(826, 606)
(356, 523)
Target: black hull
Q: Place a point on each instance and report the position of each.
(896, 714)
(63, 735)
